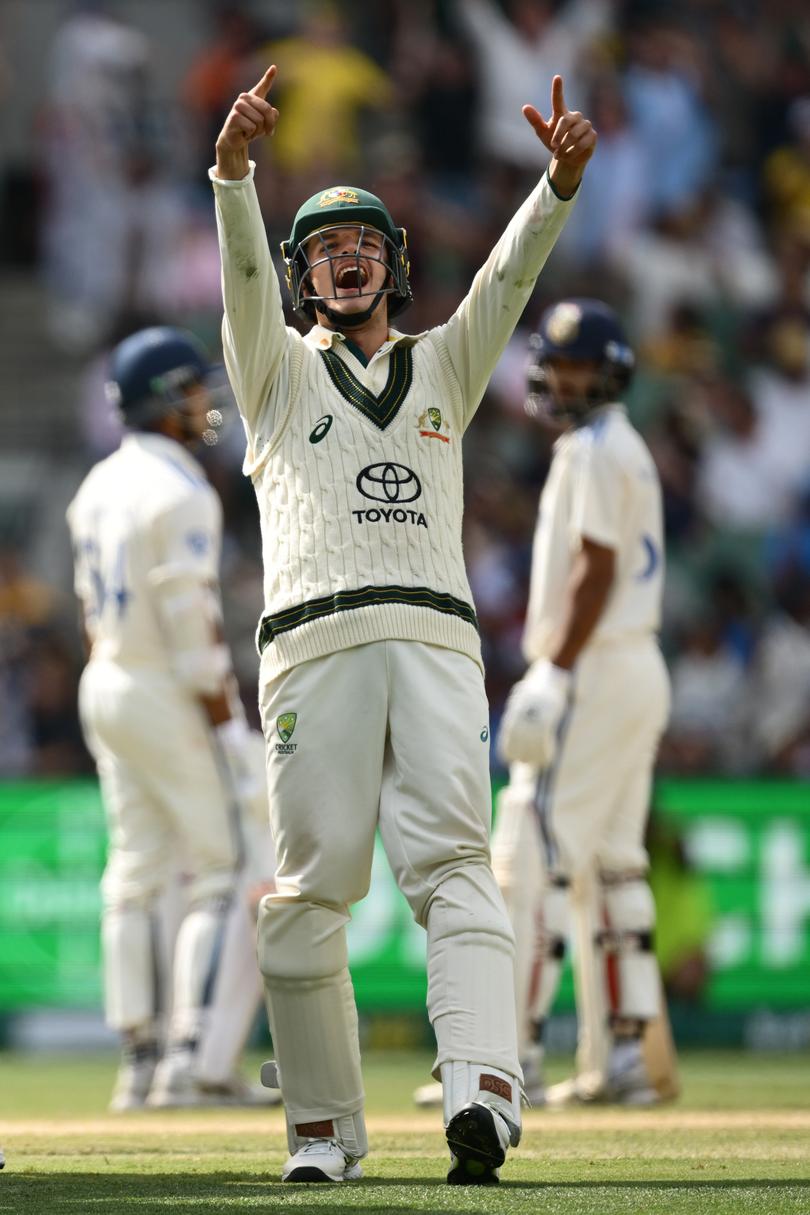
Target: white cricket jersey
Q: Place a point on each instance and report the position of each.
(602, 485)
(357, 467)
(145, 513)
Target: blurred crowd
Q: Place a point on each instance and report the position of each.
(693, 220)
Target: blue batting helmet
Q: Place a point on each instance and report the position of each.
(149, 370)
(586, 331)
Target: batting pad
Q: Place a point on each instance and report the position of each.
(554, 932)
(520, 874)
(130, 967)
(471, 979)
(313, 1019)
(631, 920)
(238, 988)
(197, 954)
(235, 997)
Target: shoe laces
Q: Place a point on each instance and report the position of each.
(317, 1145)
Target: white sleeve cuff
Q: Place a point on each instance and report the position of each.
(221, 181)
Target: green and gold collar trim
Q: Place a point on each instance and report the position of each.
(382, 409)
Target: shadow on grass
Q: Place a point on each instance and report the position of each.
(191, 1193)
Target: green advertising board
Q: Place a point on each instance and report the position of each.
(749, 842)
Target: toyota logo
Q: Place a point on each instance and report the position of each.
(389, 483)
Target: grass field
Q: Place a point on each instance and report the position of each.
(738, 1141)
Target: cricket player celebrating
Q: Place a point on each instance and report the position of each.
(160, 714)
(581, 728)
(371, 687)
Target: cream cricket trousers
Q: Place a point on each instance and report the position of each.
(393, 735)
(163, 798)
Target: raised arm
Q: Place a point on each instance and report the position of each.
(253, 330)
(251, 117)
(477, 333)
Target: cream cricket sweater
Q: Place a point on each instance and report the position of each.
(357, 468)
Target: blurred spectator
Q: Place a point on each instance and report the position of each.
(26, 602)
(520, 47)
(780, 386)
(779, 705)
(615, 200)
(786, 173)
(439, 82)
(706, 252)
(740, 481)
(216, 75)
(709, 692)
(52, 675)
(788, 548)
(664, 89)
(324, 86)
(675, 446)
(94, 132)
(39, 728)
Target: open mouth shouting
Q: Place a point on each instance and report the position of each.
(352, 277)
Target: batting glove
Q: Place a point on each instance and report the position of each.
(532, 716)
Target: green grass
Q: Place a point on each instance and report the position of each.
(738, 1141)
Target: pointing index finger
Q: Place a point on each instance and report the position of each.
(557, 98)
(263, 87)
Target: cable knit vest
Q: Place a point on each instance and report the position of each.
(360, 498)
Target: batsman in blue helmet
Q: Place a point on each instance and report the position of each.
(159, 373)
(584, 337)
(162, 717)
(371, 681)
(580, 730)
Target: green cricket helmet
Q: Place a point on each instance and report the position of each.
(346, 207)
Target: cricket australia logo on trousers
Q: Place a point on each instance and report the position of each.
(285, 724)
(391, 484)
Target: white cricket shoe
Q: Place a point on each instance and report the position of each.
(576, 1090)
(237, 1091)
(628, 1082)
(321, 1160)
(428, 1096)
(132, 1084)
(174, 1085)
